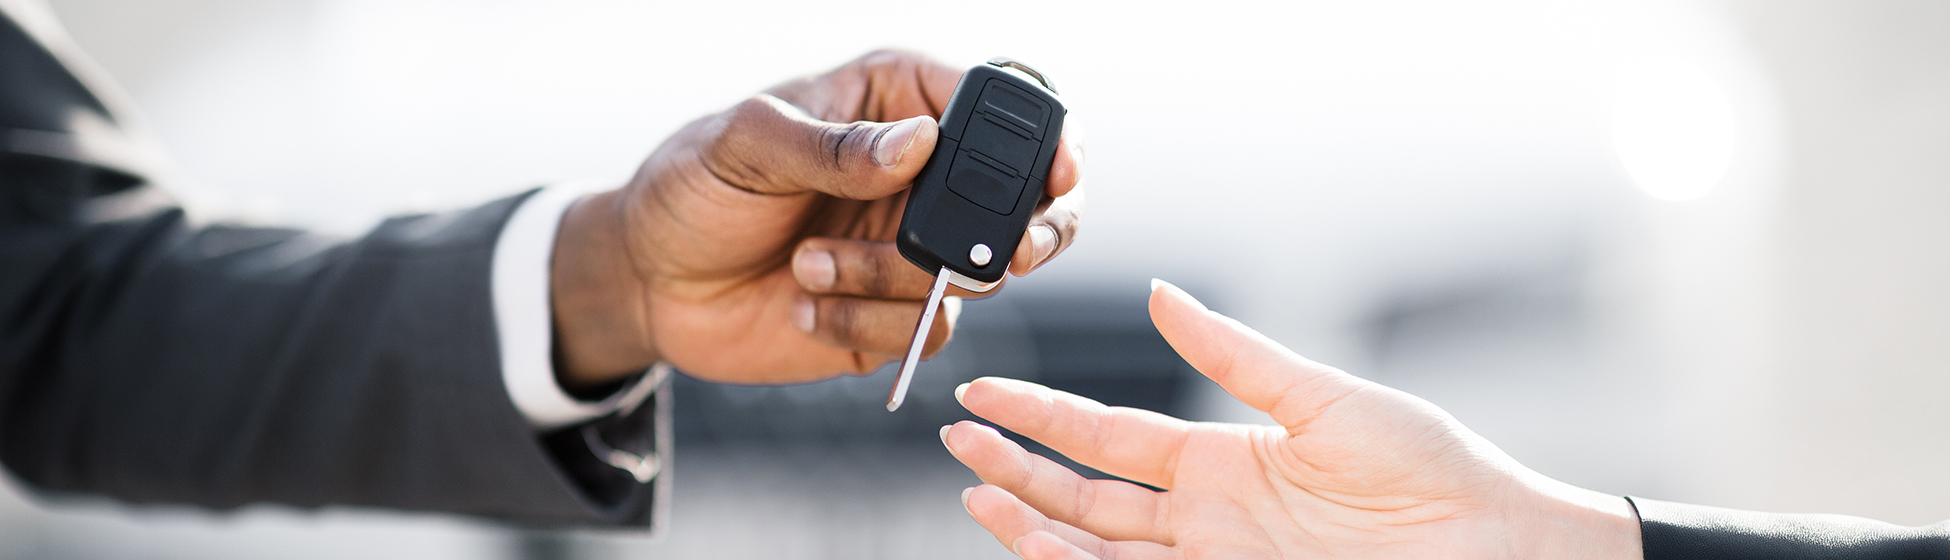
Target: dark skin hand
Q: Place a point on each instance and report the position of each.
(755, 246)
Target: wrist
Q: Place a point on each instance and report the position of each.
(601, 313)
(1565, 521)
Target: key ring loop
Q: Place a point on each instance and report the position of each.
(1006, 62)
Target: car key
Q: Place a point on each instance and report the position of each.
(971, 204)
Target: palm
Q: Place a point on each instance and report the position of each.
(1398, 495)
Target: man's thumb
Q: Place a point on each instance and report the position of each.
(770, 146)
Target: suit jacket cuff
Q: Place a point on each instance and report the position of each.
(1674, 531)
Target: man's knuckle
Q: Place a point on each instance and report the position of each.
(841, 321)
(878, 279)
(886, 56)
(852, 137)
(749, 111)
(728, 154)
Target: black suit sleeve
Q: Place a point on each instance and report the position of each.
(1673, 531)
(150, 359)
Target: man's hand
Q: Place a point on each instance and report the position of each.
(756, 245)
(1354, 469)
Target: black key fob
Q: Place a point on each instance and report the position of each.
(971, 204)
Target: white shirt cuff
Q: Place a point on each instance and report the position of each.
(522, 315)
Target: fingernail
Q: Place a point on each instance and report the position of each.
(959, 389)
(1014, 547)
(802, 314)
(892, 144)
(1177, 292)
(944, 436)
(1042, 240)
(964, 499)
(815, 268)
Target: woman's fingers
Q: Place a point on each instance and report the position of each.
(1135, 444)
(1256, 370)
(1012, 522)
(1113, 509)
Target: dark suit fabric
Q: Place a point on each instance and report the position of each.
(151, 359)
(1673, 531)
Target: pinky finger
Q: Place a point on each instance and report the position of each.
(1014, 523)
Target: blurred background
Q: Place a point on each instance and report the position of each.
(1694, 251)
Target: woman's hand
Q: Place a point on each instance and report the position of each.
(1353, 470)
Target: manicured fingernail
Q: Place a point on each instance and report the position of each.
(892, 144)
(1177, 292)
(802, 314)
(964, 499)
(944, 436)
(1042, 241)
(1016, 547)
(815, 269)
(959, 390)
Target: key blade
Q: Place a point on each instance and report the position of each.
(899, 394)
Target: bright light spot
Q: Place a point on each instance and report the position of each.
(1673, 129)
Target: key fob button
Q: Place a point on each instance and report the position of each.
(980, 254)
(1016, 105)
(984, 183)
(995, 138)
